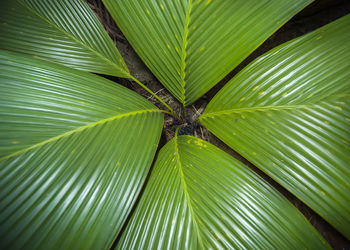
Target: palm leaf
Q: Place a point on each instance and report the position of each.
(199, 197)
(66, 32)
(288, 113)
(190, 45)
(74, 151)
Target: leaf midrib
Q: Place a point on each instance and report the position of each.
(183, 53)
(188, 199)
(271, 107)
(252, 109)
(76, 130)
(73, 38)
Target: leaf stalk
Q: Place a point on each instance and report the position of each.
(172, 112)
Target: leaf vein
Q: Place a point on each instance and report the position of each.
(188, 199)
(74, 38)
(184, 54)
(79, 129)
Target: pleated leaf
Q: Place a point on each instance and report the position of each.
(190, 45)
(199, 197)
(65, 31)
(288, 113)
(74, 151)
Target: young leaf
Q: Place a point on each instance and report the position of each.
(190, 45)
(66, 32)
(288, 113)
(74, 151)
(199, 197)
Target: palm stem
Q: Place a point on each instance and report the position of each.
(172, 112)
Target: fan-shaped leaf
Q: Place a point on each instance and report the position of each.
(74, 150)
(288, 113)
(199, 197)
(64, 31)
(190, 45)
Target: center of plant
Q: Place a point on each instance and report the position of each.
(187, 122)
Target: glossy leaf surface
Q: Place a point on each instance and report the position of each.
(288, 113)
(199, 197)
(191, 45)
(65, 31)
(74, 150)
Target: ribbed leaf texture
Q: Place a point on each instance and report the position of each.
(74, 151)
(199, 197)
(191, 45)
(65, 31)
(288, 113)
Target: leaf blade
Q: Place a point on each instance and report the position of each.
(66, 32)
(73, 174)
(186, 43)
(287, 114)
(200, 197)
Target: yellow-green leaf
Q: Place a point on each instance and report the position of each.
(199, 197)
(65, 31)
(74, 151)
(190, 45)
(288, 113)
